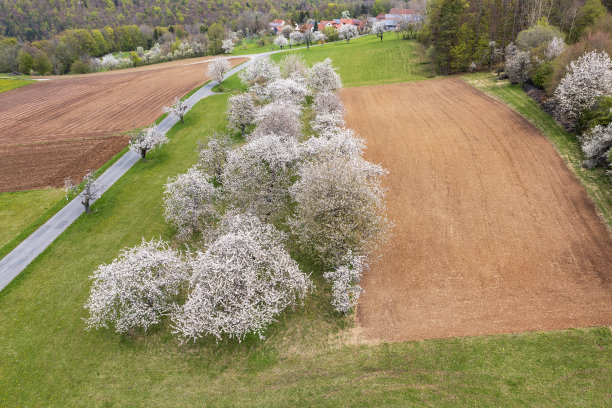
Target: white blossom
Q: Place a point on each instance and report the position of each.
(258, 74)
(296, 38)
(340, 143)
(241, 111)
(240, 283)
(228, 46)
(348, 31)
(281, 118)
(137, 289)
(323, 77)
(596, 146)
(292, 90)
(178, 109)
(281, 41)
(260, 71)
(213, 157)
(327, 102)
(379, 28)
(258, 175)
(147, 139)
(345, 280)
(91, 190)
(555, 48)
(293, 65)
(327, 122)
(339, 208)
(518, 65)
(217, 69)
(189, 202)
(319, 37)
(587, 78)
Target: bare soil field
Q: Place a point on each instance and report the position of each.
(493, 233)
(87, 108)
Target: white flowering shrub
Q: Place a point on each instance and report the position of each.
(327, 122)
(91, 190)
(137, 289)
(258, 175)
(189, 202)
(348, 31)
(379, 28)
(596, 146)
(228, 46)
(240, 283)
(345, 282)
(340, 143)
(147, 139)
(178, 109)
(323, 77)
(217, 69)
(327, 102)
(296, 38)
(279, 118)
(292, 90)
(319, 37)
(109, 62)
(518, 65)
(587, 78)
(260, 71)
(241, 111)
(339, 208)
(213, 156)
(294, 65)
(555, 47)
(281, 41)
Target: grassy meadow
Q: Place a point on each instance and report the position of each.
(596, 181)
(6, 84)
(310, 357)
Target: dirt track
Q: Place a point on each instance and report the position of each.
(493, 233)
(83, 107)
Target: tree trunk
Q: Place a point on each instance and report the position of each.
(243, 126)
(143, 153)
(85, 203)
(182, 121)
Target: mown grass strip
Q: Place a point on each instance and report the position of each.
(597, 183)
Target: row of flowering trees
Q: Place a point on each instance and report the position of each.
(249, 210)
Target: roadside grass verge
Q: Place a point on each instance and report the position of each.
(6, 84)
(308, 358)
(597, 183)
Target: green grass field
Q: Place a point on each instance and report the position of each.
(48, 359)
(310, 357)
(6, 84)
(596, 181)
(21, 209)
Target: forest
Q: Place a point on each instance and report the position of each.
(37, 19)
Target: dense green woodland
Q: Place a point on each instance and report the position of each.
(459, 32)
(36, 19)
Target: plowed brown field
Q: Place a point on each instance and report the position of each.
(493, 233)
(87, 107)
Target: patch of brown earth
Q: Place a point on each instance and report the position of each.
(493, 233)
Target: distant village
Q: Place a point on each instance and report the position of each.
(392, 20)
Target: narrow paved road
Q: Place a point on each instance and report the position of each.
(20, 257)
